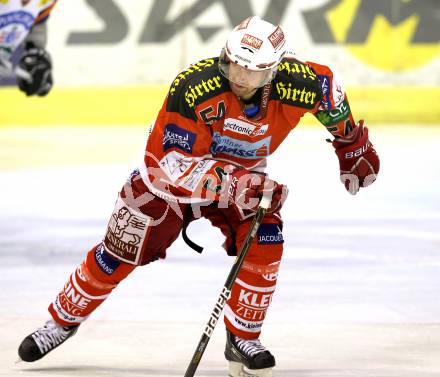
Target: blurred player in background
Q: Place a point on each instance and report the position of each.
(23, 25)
(206, 157)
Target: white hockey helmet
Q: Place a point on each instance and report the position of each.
(256, 45)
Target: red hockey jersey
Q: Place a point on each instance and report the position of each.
(203, 126)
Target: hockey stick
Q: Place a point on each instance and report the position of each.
(226, 292)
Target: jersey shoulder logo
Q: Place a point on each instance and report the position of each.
(297, 84)
(296, 69)
(188, 73)
(196, 84)
(202, 89)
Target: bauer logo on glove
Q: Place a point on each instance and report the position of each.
(358, 161)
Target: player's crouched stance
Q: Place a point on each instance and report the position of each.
(241, 193)
(220, 121)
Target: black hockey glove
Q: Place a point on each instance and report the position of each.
(35, 63)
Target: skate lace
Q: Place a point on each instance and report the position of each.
(49, 336)
(249, 347)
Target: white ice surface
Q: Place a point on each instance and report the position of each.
(358, 291)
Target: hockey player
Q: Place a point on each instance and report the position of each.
(23, 24)
(205, 157)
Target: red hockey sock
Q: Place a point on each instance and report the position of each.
(252, 292)
(88, 286)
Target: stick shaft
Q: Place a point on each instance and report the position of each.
(226, 292)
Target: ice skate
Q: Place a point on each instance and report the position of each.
(247, 358)
(44, 340)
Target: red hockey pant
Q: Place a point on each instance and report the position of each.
(141, 229)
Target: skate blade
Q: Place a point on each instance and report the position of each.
(239, 370)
